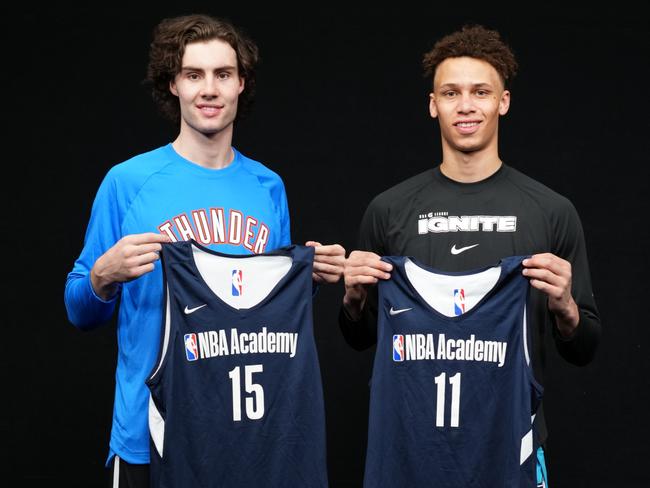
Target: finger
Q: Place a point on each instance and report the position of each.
(327, 268)
(367, 271)
(141, 270)
(328, 277)
(360, 280)
(369, 264)
(330, 250)
(368, 259)
(147, 248)
(147, 237)
(337, 260)
(143, 259)
(545, 275)
(550, 290)
(549, 261)
(360, 255)
(312, 243)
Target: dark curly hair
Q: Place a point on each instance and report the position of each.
(477, 42)
(166, 54)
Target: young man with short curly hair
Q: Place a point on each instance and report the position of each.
(468, 212)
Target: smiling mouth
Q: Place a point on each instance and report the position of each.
(210, 109)
(466, 124)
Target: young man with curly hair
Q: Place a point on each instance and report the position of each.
(469, 212)
(202, 73)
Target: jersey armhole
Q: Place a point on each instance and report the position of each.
(165, 339)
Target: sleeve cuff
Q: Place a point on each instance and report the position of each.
(111, 300)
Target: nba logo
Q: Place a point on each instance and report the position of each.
(191, 350)
(237, 284)
(398, 347)
(459, 301)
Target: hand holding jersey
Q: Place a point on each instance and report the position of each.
(552, 275)
(134, 255)
(131, 257)
(329, 261)
(547, 272)
(362, 268)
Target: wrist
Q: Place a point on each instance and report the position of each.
(353, 307)
(103, 287)
(567, 321)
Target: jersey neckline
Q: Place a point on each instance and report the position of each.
(286, 251)
(429, 269)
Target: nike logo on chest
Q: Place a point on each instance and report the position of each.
(455, 250)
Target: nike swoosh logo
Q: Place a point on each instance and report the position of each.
(455, 251)
(192, 310)
(396, 312)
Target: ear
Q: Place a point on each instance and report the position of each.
(433, 109)
(172, 87)
(504, 103)
(242, 84)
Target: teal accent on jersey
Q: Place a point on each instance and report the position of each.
(240, 209)
(542, 477)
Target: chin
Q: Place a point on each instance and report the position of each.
(469, 148)
(209, 131)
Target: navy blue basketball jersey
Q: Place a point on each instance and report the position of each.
(236, 395)
(453, 395)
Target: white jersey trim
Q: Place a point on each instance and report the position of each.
(156, 427)
(166, 336)
(116, 472)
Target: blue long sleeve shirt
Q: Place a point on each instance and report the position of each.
(239, 209)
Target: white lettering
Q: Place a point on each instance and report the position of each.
(218, 225)
(420, 347)
(440, 222)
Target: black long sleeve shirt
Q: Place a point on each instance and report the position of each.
(454, 226)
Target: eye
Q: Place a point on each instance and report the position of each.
(223, 75)
(482, 93)
(449, 93)
(193, 76)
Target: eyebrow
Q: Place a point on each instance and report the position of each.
(219, 68)
(474, 85)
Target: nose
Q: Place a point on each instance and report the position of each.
(465, 104)
(210, 88)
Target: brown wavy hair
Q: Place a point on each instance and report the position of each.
(171, 36)
(474, 41)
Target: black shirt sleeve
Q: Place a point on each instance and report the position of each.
(362, 334)
(570, 245)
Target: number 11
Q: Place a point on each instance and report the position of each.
(455, 399)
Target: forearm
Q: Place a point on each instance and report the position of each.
(580, 347)
(85, 309)
(362, 333)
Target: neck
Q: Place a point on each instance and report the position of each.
(469, 167)
(211, 151)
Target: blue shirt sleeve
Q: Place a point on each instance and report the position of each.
(285, 220)
(85, 309)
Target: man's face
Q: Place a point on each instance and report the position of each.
(468, 97)
(208, 87)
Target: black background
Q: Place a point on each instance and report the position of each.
(341, 114)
